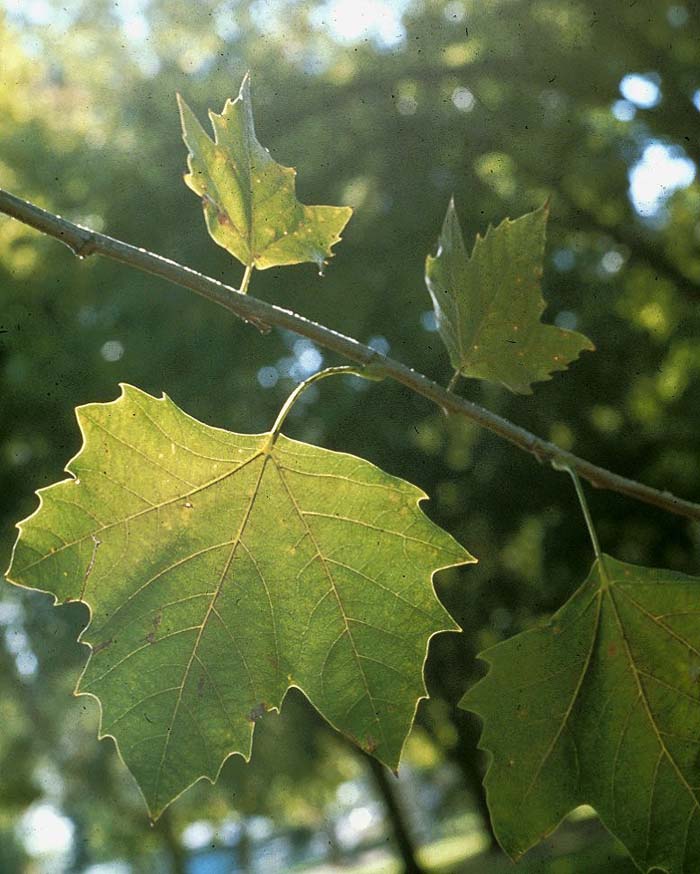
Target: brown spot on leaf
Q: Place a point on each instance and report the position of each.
(258, 712)
(200, 687)
(100, 646)
(612, 650)
(370, 744)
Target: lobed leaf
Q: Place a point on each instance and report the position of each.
(488, 304)
(221, 569)
(249, 200)
(601, 706)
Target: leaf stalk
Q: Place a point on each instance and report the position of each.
(452, 384)
(343, 370)
(245, 282)
(580, 494)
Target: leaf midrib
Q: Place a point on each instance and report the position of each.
(336, 594)
(695, 806)
(210, 608)
(597, 597)
(488, 309)
(238, 541)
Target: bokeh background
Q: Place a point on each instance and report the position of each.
(389, 107)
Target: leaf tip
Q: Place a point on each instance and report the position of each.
(128, 391)
(244, 90)
(451, 216)
(183, 109)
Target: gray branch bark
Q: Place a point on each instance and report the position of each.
(264, 316)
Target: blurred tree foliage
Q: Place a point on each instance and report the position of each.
(504, 102)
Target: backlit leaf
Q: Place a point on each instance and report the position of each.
(601, 706)
(488, 304)
(220, 569)
(249, 200)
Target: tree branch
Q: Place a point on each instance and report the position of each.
(85, 242)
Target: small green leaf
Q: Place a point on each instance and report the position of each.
(488, 304)
(220, 569)
(601, 706)
(249, 200)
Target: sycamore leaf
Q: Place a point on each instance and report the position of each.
(601, 706)
(249, 200)
(221, 569)
(488, 304)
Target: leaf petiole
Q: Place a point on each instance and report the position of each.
(246, 278)
(452, 384)
(560, 465)
(344, 370)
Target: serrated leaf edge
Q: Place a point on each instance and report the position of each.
(480, 239)
(464, 704)
(244, 97)
(154, 815)
(602, 589)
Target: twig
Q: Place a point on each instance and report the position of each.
(85, 242)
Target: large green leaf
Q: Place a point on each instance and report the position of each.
(601, 706)
(488, 304)
(249, 199)
(220, 569)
